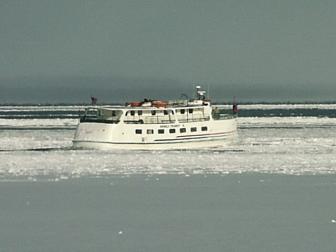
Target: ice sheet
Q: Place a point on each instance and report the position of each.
(48, 153)
(38, 123)
(289, 122)
(249, 122)
(289, 145)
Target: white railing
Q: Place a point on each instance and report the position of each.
(149, 120)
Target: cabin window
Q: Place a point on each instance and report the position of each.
(193, 129)
(132, 112)
(138, 131)
(139, 112)
(150, 131)
(191, 111)
(204, 128)
(172, 130)
(153, 112)
(183, 130)
(161, 131)
(165, 112)
(182, 111)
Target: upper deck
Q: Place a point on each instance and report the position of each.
(160, 112)
(153, 115)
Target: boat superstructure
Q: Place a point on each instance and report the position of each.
(154, 124)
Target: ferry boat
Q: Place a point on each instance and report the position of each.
(155, 124)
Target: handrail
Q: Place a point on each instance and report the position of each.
(195, 119)
(149, 120)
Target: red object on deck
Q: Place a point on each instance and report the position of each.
(159, 104)
(135, 104)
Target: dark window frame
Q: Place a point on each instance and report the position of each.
(150, 131)
(183, 130)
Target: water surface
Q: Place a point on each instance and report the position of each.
(247, 212)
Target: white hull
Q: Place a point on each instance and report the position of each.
(191, 144)
(121, 136)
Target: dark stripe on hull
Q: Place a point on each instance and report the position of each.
(167, 141)
(201, 136)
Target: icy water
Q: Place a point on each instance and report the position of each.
(273, 189)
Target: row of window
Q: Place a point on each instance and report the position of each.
(165, 112)
(153, 112)
(172, 131)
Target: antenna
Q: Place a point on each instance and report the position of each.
(194, 85)
(200, 94)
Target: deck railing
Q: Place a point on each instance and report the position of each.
(193, 119)
(149, 120)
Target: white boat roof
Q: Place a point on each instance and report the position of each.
(148, 108)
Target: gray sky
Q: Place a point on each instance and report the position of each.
(257, 50)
